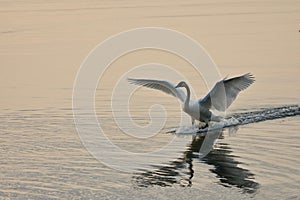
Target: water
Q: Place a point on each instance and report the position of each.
(42, 155)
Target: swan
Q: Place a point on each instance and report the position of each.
(219, 98)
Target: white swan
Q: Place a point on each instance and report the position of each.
(219, 98)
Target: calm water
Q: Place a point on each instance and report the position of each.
(42, 157)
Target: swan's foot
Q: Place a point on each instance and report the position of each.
(203, 125)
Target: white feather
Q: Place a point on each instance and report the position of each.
(220, 97)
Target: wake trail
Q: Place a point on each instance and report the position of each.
(243, 118)
(265, 114)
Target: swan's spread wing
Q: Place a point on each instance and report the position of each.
(161, 85)
(226, 91)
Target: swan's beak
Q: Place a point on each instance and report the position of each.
(180, 84)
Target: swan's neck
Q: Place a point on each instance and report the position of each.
(188, 94)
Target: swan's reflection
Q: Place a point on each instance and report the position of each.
(181, 171)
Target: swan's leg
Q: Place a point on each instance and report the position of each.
(193, 121)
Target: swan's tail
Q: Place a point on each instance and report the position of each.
(216, 118)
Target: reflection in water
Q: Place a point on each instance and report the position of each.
(181, 170)
(228, 171)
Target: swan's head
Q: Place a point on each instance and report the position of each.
(181, 84)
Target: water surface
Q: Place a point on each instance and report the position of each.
(41, 48)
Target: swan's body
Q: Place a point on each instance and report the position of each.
(219, 98)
